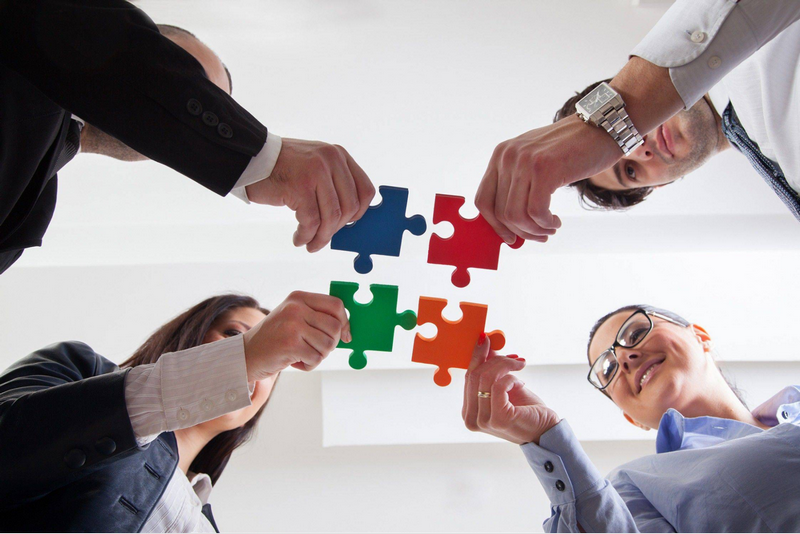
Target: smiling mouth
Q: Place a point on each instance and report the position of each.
(648, 374)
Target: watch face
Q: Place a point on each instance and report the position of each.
(596, 99)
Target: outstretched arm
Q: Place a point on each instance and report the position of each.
(580, 498)
(691, 48)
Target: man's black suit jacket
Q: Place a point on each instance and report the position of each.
(69, 461)
(106, 62)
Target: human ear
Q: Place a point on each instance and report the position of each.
(703, 337)
(635, 423)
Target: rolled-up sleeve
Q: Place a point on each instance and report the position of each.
(579, 496)
(701, 41)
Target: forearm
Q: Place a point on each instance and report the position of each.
(58, 421)
(580, 497)
(121, 75)
(698, 42)
(186, 388)
(650, 98)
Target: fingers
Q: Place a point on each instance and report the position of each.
(469, 409)
(486, 202)
(491, 372)
(331, 306)
(330, 211)
(308, 219)
(539, 208)
(500, 402)
(365, 191)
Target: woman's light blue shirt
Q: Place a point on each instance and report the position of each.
(708, 475)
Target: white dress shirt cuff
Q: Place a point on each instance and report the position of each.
(186, 388)
(259, 168)
(701, 41)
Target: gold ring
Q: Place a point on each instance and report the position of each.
(484, 394)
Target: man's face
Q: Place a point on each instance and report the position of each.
(677, 147)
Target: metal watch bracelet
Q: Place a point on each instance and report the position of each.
(619, 126)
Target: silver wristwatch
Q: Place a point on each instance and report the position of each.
(605, 108)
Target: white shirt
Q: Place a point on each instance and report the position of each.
(753, 47)
(180, 390)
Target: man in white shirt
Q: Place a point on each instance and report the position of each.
(697, 44)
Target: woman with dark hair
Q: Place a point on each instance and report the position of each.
(89, 446)
(718, 466)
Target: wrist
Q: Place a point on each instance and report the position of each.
(649, 95)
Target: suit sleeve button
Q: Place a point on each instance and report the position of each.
(183, 415)
(224, 130)
(230, 395)
(560, 485)
(75, 458)
(194, 106)
(210, 118)
(548, 466)
(105, 446)
(207, 405)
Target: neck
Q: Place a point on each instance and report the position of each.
(722, 403)
(190, 442)
(722, 141)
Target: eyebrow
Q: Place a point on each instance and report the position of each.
(241, 323)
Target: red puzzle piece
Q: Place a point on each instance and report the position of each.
(474, 242)
(452, 346)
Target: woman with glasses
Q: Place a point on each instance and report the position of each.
(718, 466)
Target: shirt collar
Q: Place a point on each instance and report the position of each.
(676, 432)
(201, 484)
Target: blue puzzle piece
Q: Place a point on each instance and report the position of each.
(380, 230)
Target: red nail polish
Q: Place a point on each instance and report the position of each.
(482, 338)
(515, 356)
(521, 359)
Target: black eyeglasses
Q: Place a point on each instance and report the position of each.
(631, 333)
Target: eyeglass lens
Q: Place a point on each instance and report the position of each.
(634, 330)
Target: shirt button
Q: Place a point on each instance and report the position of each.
(194, 107)
(785, 414)
(714, 62)
(698, 36)
(210, 118)
(560, 485)
(224, 130)
(207, 405)
(75, 458)
(105, 446)
(230, 395)
(548, 466)
(183, 415)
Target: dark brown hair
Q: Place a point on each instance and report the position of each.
(592, 196)
(672, 315)
(188, 330)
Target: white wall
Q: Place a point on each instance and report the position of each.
(419, 92)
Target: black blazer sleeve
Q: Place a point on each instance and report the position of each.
(105, 61)
(61, 406)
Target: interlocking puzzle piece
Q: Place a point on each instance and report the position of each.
(474, 243)
(371, 324)
(452, 346)
(380, 230)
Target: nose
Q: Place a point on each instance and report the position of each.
(627, 358)
(644, 152)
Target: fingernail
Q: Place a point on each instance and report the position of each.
(482, 338)
(521, 359)
(513, 356)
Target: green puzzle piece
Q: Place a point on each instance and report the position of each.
(371, 324)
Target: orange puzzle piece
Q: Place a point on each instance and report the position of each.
(452, 346)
